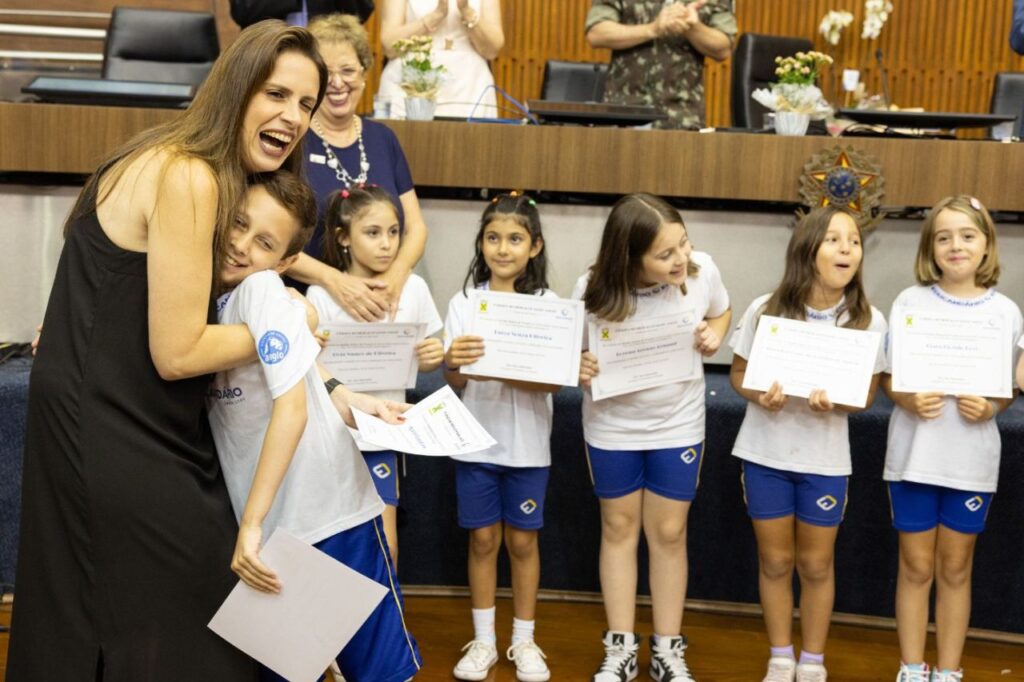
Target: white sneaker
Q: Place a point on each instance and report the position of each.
(619, 664)
(780, 669)
(811, 672)
(529, 660)
(479, 658)
(667, 662)
(953, 676)
(907, 675)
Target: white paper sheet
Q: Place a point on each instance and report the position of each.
(439, 425)
(372, 357)
(528, 338)
(643, 353)
(964, 353)
(298, 632)
(803, 356)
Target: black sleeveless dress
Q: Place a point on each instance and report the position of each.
(126, 527)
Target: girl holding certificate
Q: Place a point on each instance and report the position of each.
(362, 238)
(644, 448)
(942, 461)
(501, 490)
(796, 452)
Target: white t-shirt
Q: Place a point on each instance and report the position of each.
(947, 451)
(796, 438)
(415, 306)
(327, 488)
(665, 416)
(520, 421)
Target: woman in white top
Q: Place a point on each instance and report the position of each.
(644, 448)
(796, 452)
(467, 35)
(942, 460)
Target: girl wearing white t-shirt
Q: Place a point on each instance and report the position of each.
(942, 460)
(361, 237)
(796, 452)
(501, 490)
(644, 448)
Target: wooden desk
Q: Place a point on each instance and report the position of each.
(51, 138)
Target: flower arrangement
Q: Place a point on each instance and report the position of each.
(833, 24)
(421, 76)
(796, 90)
(876, 13)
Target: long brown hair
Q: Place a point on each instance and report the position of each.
(790, 297)
(209, 130)
(631, 228)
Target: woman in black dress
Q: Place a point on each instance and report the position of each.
(127, 532)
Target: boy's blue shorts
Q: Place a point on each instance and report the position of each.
(670, 472)
(488, 493)
(382, 650)
(383, 466)
(773, 493)
(918, 507)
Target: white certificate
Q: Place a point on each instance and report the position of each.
(803, 356)
(638, 354)
(298, 632)
(965, 353)
(528, 338)
(372, 357)
(439, 425)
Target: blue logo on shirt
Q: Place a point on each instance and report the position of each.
(273, 346)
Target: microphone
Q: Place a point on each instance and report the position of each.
(885, 77)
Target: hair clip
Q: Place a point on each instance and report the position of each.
(344, 193)
(531, 202)
(975, 204)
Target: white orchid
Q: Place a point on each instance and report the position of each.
(832, 25)
(876, 13)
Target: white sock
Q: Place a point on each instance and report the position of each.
(483, 625)
(522, 630)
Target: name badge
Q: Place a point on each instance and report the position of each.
(318, 158)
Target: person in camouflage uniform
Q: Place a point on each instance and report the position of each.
(658, 49)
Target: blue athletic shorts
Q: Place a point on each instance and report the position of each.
(774, 493)
(383, 466)
(382, 649)
(671, 472)
(919, 506)
(488, 493)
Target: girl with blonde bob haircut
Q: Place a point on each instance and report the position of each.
(925, 269)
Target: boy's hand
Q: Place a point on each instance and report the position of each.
(312, 318)
(246, 561)
(588, 368)
(818, 401)
(464, 350)
(388, 410)
(429, 354)
(927, 405)
(974, 408)
(705, 340)
(773, 399)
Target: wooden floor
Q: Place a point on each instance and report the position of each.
(722, 648)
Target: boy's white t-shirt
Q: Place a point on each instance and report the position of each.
(796, 438)
(415, 306)
(328, 488)
(665, 416)
(520, 421)
(947, 451)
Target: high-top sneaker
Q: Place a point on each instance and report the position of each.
(619, 664)
(667, 662)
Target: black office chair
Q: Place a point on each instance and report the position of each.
(753, 67)
(166, 46)
(1008, 98)
(573, 81)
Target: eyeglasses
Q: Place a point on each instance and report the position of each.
(349, 74)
